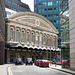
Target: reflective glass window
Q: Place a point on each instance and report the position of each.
(49, 3)
(43, 10)
(55, 9)
(56, 21)
(50, 16)
(39, 4)
(55, 2)
(49, 9)
(55, 15)
(35, 1)
(39, 10)
(43, 3)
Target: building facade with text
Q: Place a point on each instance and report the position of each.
(30, 35)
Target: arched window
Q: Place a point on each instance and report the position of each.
(11, 34)
(40, 39)
(27, 37)
(50, 41)
(47, 41)
(36, 38)
(32, 37)
(22, 36)
(17, 35)
(44, 40)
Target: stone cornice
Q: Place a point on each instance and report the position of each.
(33, 14)
(33, 27)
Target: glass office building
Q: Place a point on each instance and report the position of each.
(64, 29)
(14, 6)
(50, 10)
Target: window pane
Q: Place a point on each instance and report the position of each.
(44, 40)
(56, 21)
(39, 4)
(49, 3)
(32, 38)
(50, 16)
(43, 4)
(55, 15)
(55, 2)
(43, 10)
(35, 1)
(49, 9)
(11, 34)
(17, 35)
(35, 7)
(22, 37)
(39, 10)
(36, 38)
(55, 9)
(40, 39)
(27, 37)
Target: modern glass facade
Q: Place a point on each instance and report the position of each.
(13, 6)
(64, 29)
(50, 10)
(72, 33)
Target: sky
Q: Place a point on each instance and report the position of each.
(30, 3)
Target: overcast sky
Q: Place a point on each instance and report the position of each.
(30, 3)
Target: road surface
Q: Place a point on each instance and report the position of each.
(35, 70)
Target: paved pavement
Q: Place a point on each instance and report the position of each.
(34, 70)
(3, 68)
(59, 67)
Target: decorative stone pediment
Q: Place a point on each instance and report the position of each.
(34, 21)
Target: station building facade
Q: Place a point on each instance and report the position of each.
(30, 35)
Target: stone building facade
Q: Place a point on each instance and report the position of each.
(30, 35)
(72, 33)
